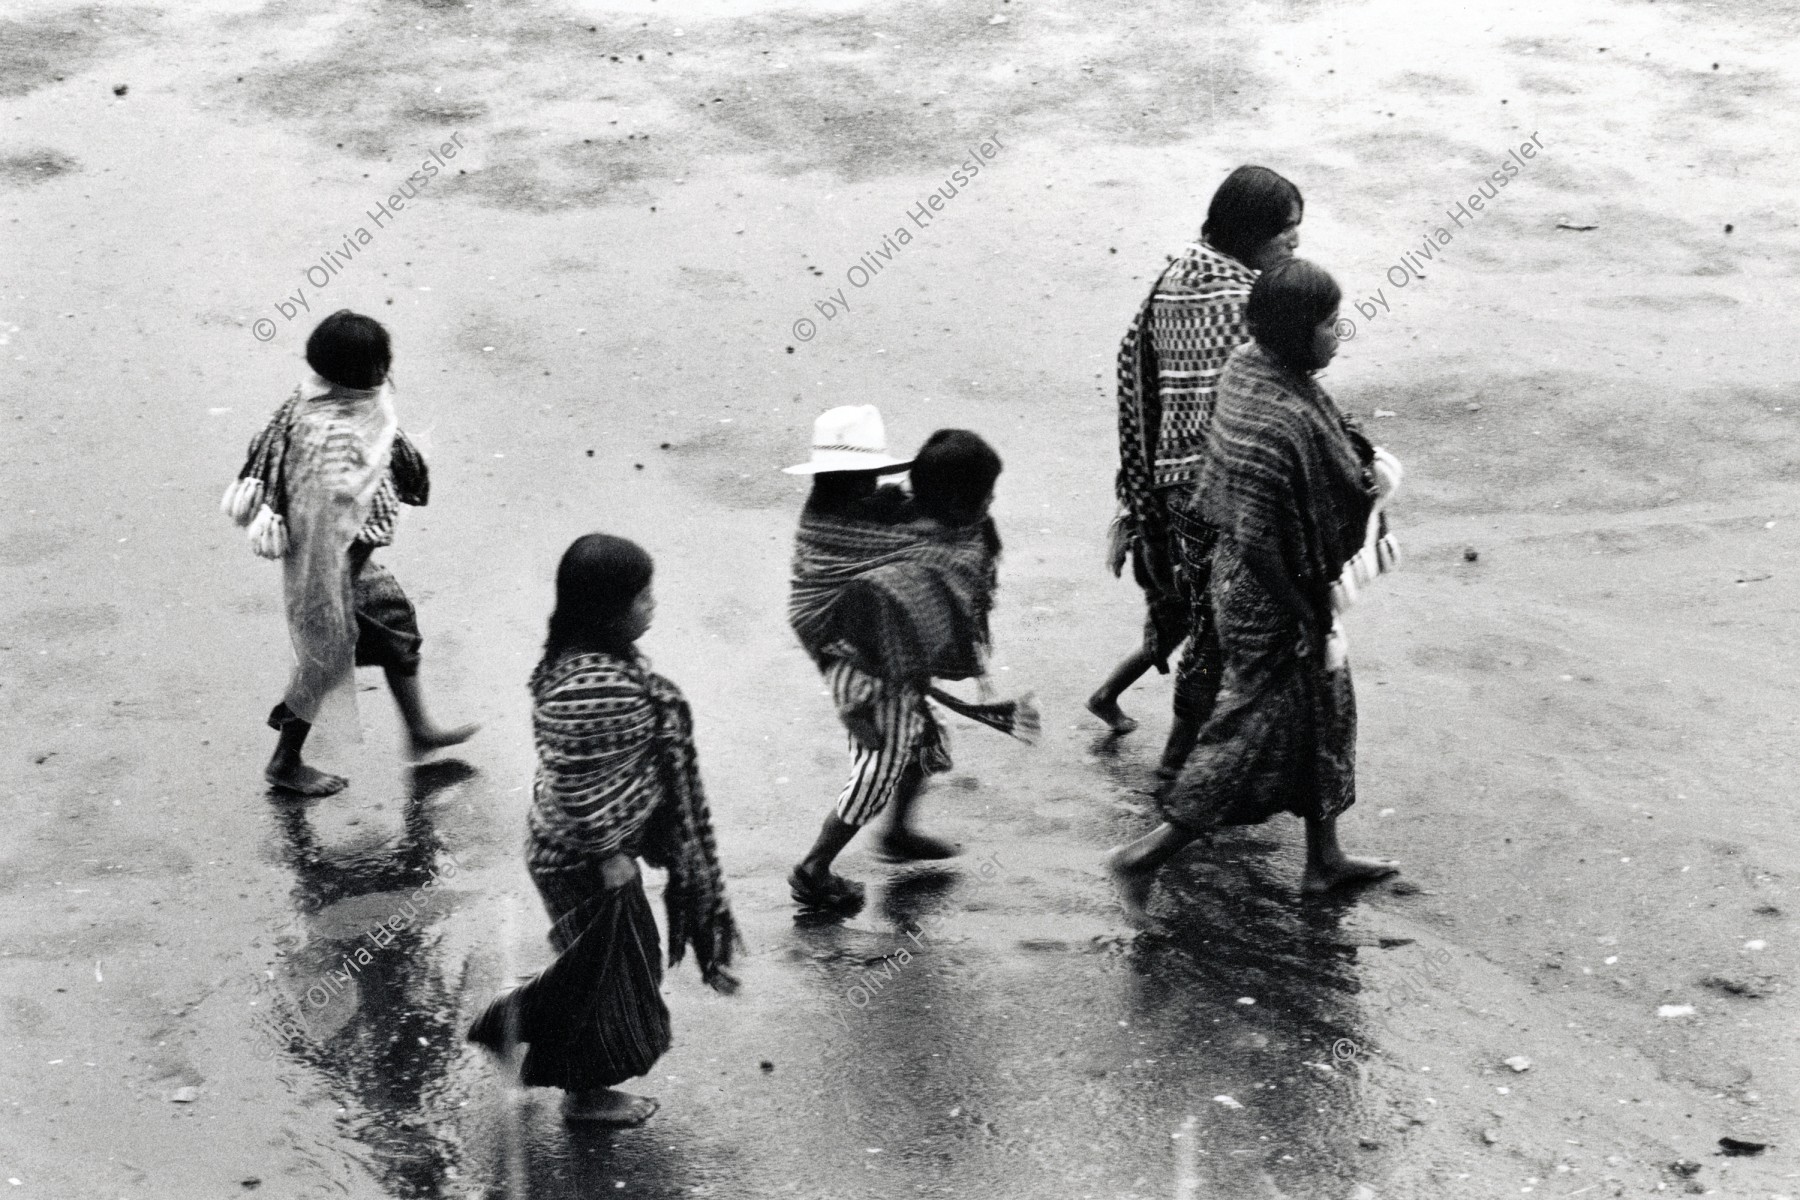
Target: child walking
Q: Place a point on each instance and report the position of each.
(617, 780)
(885, 609)
(320, 490)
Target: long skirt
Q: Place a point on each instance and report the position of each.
(1282, 737)
(1191, 545)
(595, 1017)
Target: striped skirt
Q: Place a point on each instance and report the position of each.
(595, 1017)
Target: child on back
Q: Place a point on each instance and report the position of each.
(913, 608)
(320, 490)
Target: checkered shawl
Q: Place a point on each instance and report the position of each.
(909, 602)
(618, 774)
(264, 479)
(1169, 364)
(1287, 469)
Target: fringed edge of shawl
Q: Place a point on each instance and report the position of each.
(268, 534)
(242, 499)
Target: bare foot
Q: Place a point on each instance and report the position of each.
(1345, 872)
(1134, 889)
(1109, 711)
(608, 1106)
(302, 780)
(424, 743)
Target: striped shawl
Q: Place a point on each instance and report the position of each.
(1285, 468)
(618, 774)
(909, 602)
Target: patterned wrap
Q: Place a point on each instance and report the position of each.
(262, 483)
(908, 601)
(1286, 472)
(1168, 368)
(618, 774)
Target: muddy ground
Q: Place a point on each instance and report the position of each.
(1577, 726)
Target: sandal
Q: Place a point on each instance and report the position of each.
(832, 892)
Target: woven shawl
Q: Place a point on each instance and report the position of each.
(618, 774)
(1285, 468)
(262, 483)
(1169, 364)
(910, 602)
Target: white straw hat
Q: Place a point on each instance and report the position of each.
(849, 438)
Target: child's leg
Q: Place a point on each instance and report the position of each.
(1104, 703)
(423, 734)
(387, 636)
(901, 842)
(286, 770)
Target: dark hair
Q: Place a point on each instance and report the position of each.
(1250, 207)
(350, 350)
(1286, 304)
(598, 580)
(953, 475)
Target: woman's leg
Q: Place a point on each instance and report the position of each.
(1327, 866)
(1104, 703)
(1184, 734)
(286, 770)
(1134, 865)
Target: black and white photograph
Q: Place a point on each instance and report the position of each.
(873, 599)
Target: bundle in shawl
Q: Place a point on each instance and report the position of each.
(617, 773)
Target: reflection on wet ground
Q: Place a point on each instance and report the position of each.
(368, 1003)
(981, 1028)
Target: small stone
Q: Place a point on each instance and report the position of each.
(184, 1095)
(1471, 554)
(1685, 1167)
(1736, 1148)
(1227, 1101)
(119, 89)
(1675, 1010)
(767, 1066)
(1491, 1136)
(1519, 1063)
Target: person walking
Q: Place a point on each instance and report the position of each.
(617, 780)
(1293, 489)
(320, 491)
(1168, 369)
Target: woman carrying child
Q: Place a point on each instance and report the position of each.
(320, 490)
(617, 780)
(885, 608)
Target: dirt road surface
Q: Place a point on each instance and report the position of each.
(660, 238)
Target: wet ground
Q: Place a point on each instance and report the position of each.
(1577, 726)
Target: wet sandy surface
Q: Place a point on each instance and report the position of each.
(1579, 741)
